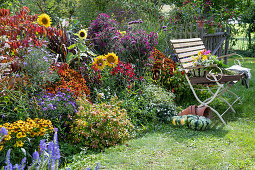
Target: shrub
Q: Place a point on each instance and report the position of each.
(148, 104)
(59, 108)
(101, 125)
(24, 134)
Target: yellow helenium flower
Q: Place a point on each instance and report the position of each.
(111, 59)
(7, 137)
(19, 144)
(44, 20)
(99, 62)
(82, 34)
(19, 135)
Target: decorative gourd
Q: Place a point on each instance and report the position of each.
(180, 120)
(198, 122)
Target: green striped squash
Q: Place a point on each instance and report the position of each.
(198, 122)
(179, 120)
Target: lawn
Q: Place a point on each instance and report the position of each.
(166, 147)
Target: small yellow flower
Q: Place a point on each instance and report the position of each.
(82, 34)
(19, 144)
(44, 20)
(1, 147)
(19, 135)
(7, 137)
(122, 32)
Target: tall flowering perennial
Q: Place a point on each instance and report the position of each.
(48, 157)
(103, 33)
(103, 21)
(135, 47)
(18, 133)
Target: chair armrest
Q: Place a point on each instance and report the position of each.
(224, 56)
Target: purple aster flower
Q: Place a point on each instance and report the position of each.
(4, 131)
(25, 63)
(51, 106)
(45, 108)
(164, 27)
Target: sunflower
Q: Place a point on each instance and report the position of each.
(19, 144)
(82, 34)
(111, 59)
(99, 62)
(44, 20)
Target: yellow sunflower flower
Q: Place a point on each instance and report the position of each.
(82, 34)
(1, 147)
(19, 144)
(44, 20)
(99, 62)
(19, 135)
(111, 59)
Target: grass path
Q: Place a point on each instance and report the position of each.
(167, 147)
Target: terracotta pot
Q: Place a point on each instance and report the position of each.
(200, 111)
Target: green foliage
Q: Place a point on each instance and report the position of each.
(148, 104)
(101, 125)
(15, 105)
(37, 65)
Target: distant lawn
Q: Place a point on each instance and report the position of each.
(167, 147)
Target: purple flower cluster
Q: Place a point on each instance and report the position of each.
(104, 41)
(4, 131)
(54, 101)
(103, 33)
(103, 21)
(135, 22)
(9, 165)
(135, 46)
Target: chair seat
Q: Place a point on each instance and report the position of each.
(224, 79)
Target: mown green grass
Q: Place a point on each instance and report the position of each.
(168, 147)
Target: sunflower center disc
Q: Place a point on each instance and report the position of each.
(82, 34)
(110, 59)
(44, 21)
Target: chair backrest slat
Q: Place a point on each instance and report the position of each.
(186, 48)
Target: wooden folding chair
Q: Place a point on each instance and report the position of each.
(184, 49)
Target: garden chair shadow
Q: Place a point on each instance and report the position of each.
(216, 84)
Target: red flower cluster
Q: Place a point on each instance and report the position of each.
(125, 71)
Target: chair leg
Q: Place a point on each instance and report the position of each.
(222, 99)
(208, 101)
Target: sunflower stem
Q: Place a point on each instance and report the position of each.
(40, 7)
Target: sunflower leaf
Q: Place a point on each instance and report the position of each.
(69, 57)
(81, 47)
(72, 46)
